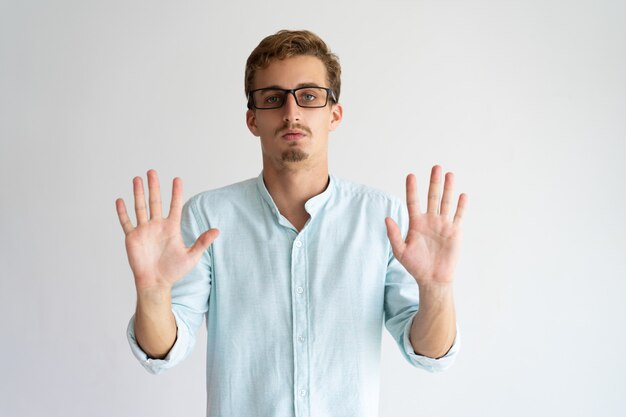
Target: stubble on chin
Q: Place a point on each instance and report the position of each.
(294, 155)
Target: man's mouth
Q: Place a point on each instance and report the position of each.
(293, 134)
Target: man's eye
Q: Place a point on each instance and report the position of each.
(307, 95)
(272, 99)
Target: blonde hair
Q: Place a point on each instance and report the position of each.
(289, 43)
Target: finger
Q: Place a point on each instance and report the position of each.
(446, 200)
(127, 226)
(412, 202)
(202, 242)
(140, 201)
(395, 237)
(460, 209)
(433, 190)
(176, 205)
(154, 194)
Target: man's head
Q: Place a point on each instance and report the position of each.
(293, 126)
(287, 44)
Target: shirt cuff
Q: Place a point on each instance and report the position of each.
(431, 364)
(174, 356)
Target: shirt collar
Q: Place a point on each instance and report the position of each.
(312, 206)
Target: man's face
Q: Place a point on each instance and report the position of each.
(292, 134)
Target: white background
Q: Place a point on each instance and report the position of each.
(524, 100)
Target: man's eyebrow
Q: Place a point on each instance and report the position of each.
(309, 84)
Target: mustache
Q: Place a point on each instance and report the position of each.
(293, 126)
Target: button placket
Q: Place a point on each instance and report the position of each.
(300, 326)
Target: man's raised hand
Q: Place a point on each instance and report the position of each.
(431, 248)
(156, 251)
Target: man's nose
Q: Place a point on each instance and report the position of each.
(291, 110)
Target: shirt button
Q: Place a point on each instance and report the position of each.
(302, 392)
(299, 290)
(298, 244)
(301, 338)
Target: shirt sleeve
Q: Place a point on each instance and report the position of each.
(190, 298)
(402, 303)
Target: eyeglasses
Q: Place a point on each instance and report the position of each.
(273, 98)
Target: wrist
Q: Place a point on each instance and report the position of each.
(155, 295)
(435, 292)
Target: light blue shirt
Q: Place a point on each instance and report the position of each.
(294, 319)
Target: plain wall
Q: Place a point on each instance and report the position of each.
(524, 100)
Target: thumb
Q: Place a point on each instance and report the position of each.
(203, 241)
(395, 237)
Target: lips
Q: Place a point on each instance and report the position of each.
(293, 134)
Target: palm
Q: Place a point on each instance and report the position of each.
(156, 252)
(431, 248)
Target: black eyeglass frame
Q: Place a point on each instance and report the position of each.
(330, 94)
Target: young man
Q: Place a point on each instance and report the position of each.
(307, 267)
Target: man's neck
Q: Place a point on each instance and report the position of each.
(291, 188)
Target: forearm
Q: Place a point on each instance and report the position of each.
(155, 326)
(434, 326)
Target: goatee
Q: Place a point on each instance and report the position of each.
(294, 155)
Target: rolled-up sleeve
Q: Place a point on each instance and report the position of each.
(402, 303)
(190, 298)
(430, 364)
(176, 354)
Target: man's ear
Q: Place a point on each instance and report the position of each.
(251, 122)
(336, 114)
